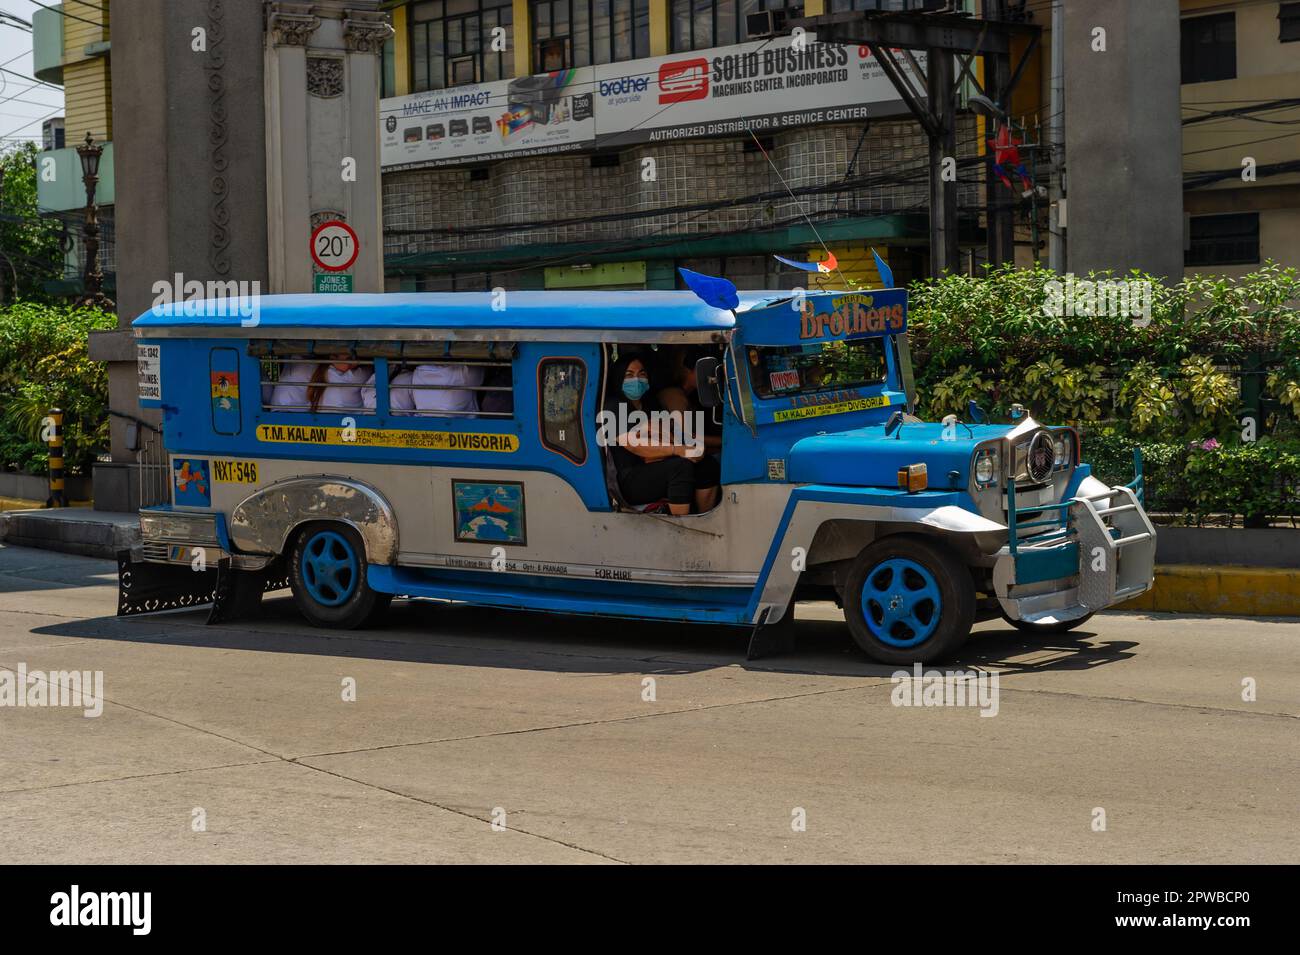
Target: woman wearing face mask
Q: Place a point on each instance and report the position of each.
(651, 462)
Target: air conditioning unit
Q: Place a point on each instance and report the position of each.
(767, 23)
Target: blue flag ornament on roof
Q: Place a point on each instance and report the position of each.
(714, 291)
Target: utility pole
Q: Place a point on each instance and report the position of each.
(999, 211)
(1056, 139)
(944, 255)
(947, 39)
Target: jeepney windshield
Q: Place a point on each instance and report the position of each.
(778, 371)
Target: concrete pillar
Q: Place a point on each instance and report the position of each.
(190, 183)
(401, 53)
(322, 63)
(522, 29)
(661, 27)
(1123, 137)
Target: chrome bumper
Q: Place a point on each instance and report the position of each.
(189, 538)
(1103, 553)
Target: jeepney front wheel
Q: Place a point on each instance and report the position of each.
(327, 571)
(908, 600)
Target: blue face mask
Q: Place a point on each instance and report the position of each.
(635, 388)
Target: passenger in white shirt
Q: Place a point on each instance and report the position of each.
(290, 392)
(311, 386)
(399, 398)
(449, 399)
(342, 392)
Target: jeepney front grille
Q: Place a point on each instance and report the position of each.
(1027, 495)
(155, 550)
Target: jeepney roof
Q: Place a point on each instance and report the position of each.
(532, 315)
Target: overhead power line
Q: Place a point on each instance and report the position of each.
(72, 16)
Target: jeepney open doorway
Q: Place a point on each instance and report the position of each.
(689, 421)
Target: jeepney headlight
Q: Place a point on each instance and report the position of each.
(986, 467)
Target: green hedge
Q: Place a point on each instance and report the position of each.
(1257, 481)
(44, 364)
(1211, 349)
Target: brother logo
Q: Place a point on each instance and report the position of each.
(102, 908)
(624, 85)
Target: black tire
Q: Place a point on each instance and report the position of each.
(898, 633)
(344, 600)
(1063, 626)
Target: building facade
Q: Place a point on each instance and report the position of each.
(71, 48)
(1240, 66)
(604, 143)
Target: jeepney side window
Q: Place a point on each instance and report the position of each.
(561, 383)
(315, 384)
(472, 388)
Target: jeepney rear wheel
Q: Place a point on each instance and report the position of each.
(908, 600)
(327, 572)
(1060, 626)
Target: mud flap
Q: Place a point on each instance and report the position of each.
(146, 587)
(772, 639)
(239, 592)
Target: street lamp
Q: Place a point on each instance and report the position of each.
(93, 295)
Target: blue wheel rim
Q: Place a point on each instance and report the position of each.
(901, 602)
(330, 569)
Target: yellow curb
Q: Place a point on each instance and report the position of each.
(1236, 591)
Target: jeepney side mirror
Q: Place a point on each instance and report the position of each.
(708, 384)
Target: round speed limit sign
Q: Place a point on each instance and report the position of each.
(334, 246)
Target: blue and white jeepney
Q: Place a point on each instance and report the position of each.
(830, 486)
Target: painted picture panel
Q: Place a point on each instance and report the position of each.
(489, 513)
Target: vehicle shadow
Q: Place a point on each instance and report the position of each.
(427, 632)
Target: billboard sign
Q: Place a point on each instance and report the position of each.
(751, 86)
(718, 92)
(550, 112)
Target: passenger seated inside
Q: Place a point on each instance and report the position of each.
(498, 402)
(444, 387)
(320, 386)
(290, 392)
(651, 461)
(399, 397)
(679, 393)
(343, 379)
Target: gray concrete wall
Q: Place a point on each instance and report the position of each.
(1123, 137)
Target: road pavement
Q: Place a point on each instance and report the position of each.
(460, 734)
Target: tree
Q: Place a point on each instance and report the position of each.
(30, 251)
